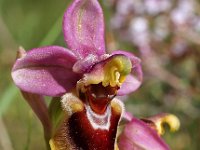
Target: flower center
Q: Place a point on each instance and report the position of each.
(99, 86)
(116, 70)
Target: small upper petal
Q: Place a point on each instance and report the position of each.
(85, 64)
(46, 71)
(83, 27)
(134, 80)
(138, 136)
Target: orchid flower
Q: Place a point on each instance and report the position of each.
(87, 79)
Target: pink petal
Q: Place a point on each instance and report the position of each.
(134, 80)
(138, 136)
(83, 27)
(127, 116)
(46, 71)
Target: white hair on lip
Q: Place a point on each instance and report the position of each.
(67, 100)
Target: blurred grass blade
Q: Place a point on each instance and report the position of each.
(7, 98)
(5, 142)
(29, 132)
(53, 33)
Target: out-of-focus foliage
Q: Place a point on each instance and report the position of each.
(164, 33)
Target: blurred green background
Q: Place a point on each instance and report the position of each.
(171, 82)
